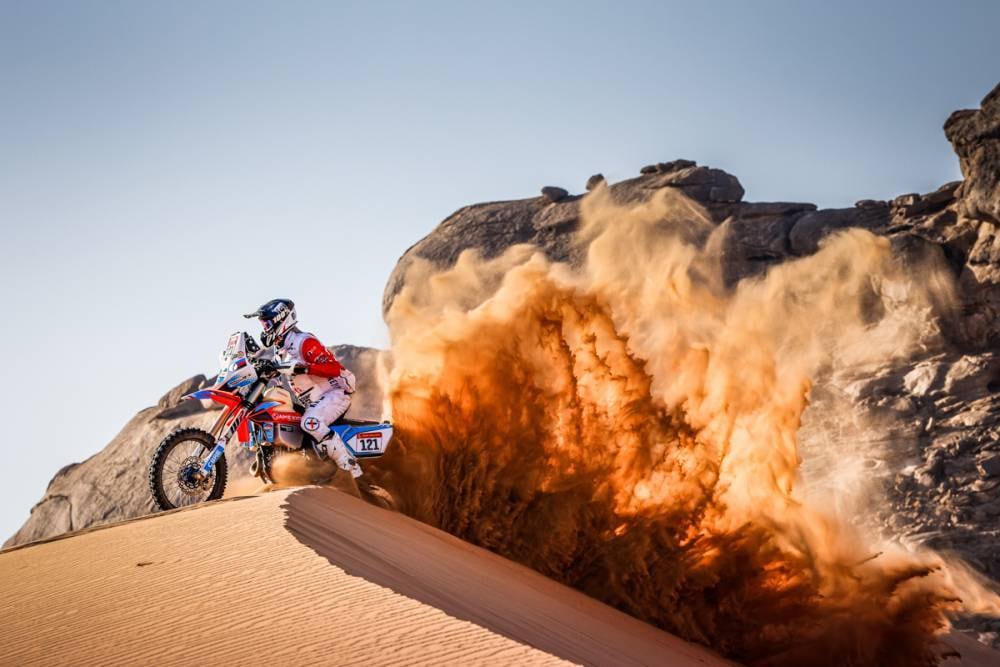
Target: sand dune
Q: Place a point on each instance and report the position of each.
(303, 576)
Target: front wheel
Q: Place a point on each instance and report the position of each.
(173, 472)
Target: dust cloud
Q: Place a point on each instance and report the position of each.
(630, 428)
(288, 469)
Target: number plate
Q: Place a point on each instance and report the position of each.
(371, 442)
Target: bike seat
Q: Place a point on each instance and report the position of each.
(356, 422)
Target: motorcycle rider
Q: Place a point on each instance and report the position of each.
(319, 381)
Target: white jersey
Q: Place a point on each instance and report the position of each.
(324, 373)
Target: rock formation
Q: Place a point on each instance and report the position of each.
(975, 136)
(959, 220)
(928, 426)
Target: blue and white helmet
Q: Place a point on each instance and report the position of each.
(277, 317)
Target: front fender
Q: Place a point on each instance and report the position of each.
(223, 397)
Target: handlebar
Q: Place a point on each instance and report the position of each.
(287, 368)
(267, 368)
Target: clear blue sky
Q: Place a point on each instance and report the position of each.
(165, 167)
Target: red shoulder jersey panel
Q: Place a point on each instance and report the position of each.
(318, 359)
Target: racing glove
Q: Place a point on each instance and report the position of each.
(266, 368)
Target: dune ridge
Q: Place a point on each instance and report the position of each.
(230, 583)
(476, 585)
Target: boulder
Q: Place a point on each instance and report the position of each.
(972, 375)
(769, 209)
(943, 195)
(594, 181)
(674, 165)
(813, 227)
(913, 204)
(553, 193)
(990, 465)
(985, 252)
(867, 203)
(763, 233)
(924, 378)
(758, 239)
(975, 136)
(702, 184)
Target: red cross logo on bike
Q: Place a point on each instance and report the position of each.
(310, 424)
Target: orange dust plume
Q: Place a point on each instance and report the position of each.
(629, 427)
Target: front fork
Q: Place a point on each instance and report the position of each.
(206, 469)
(222, 433)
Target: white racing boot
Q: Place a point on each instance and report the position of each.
(333, 448)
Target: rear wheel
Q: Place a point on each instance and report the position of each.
(174, 470)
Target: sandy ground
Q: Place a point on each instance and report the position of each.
(473, 584)
(301, 577)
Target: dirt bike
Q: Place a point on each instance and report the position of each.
(189, 466)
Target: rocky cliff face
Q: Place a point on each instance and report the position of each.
(760, 234)
(111, 485)
(958, 222)
(975, 135)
